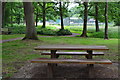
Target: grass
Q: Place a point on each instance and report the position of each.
(16, 53)
(5, 37)
(112, 31)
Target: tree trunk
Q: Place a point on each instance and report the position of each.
(36, 18)
(96, 17)
(11, 17)
(106, 21)
(29, 17)
(44, 15)
(3, 13)
(61, 16)
(19, 17)
(0, 16)
(84, 33)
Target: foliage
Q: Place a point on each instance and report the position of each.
(64, 32)
(113, 11)
(64, 9)
(49, 9)
(112, 33)
(45, 31)
(13, 13)
(16, 29)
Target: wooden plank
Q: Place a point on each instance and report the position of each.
(72, 53)
(70, 47)
(77, 61)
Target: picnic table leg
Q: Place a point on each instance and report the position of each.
(51, 66)
(90, 70)
(53, 55)
(50, 71)
(90, 66)
(89, 56)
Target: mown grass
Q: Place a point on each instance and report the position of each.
(16, 53)
(112, 31)
(5, 37)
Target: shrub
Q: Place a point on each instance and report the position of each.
(16, 29)
(64, 32)
(45, 31)
(111, 34)
(97, 34)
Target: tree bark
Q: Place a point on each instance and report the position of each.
(96, 17)
(106, 21)
(11, 17)
(36, 18)
(84, 33)
(44, 15)
(61, 16)
(3, 13)
(29, 17)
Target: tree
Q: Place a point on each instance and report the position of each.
(3, 13)
(114, 12)
(29, 17)
(106, 21)
(61, 16)
(47, 13)
(37, 12)
(96, 17)
(12, 13)
(84, 33)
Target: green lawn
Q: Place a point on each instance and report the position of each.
(5, 37)
(112, 30)
(16, 53)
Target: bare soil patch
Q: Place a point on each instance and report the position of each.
(38, 71)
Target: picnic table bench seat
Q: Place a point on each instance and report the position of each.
(72, 53)
(77, 61)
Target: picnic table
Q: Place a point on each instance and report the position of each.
(54, 52)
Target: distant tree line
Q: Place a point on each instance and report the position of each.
(31, 13)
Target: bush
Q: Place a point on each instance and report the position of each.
(16, 29)
(45, 31)
(112, 33)
(64, 32)
(97, 34)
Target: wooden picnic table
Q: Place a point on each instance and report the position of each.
(70, 47)
(88, 49)
(54, 48)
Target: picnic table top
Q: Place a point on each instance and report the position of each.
(70, 47)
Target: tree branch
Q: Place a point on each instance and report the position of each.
(40, 4)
